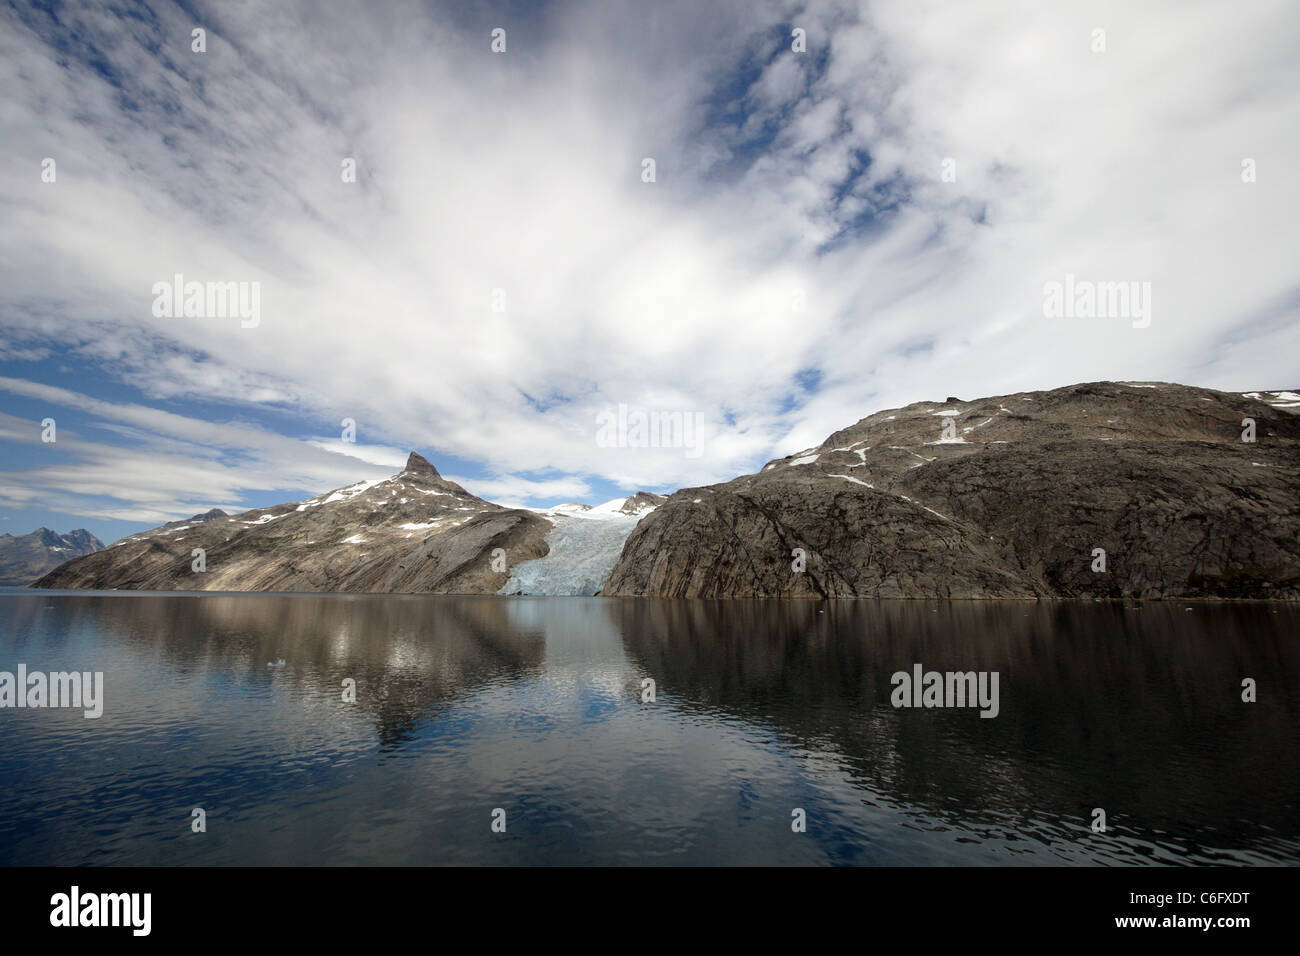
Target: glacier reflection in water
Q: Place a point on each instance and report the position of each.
(533, 705)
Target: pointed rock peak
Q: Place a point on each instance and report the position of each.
(417, 464)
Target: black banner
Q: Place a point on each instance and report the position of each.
(331, 906)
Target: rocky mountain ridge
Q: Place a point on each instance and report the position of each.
(1109, 490)
(1101, 490)
(415, 532)
(24, 558)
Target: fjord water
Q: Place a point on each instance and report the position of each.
(533, 705)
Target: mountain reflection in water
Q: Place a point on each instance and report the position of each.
(534, 705)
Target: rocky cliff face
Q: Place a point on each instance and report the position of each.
(414, 532)
(24, 558)
(1013, 496)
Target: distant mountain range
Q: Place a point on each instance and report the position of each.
(1100, 490)
(26, 557)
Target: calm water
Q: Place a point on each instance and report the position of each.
(533, 705)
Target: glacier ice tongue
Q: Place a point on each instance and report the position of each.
(583, 552)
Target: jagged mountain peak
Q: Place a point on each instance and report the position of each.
(413, 531)
(417, 464)
(23, 558)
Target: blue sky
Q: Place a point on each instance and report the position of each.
(500, 274)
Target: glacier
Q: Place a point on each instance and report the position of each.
(583, 552)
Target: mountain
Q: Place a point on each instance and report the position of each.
(1004, 497)
(211, 515)
(636, 506)
(26, 557)
(1284, 399)
(414, 532)
(1015, 496)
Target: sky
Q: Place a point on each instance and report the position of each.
(505, 234)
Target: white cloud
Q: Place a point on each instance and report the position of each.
(521, 172)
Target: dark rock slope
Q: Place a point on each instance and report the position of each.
(1002, 497)
(25, 557)
(414, 532)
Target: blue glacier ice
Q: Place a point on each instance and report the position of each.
(583, 552)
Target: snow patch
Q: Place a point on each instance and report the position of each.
(262, 520)
(343, 494)
(569, 508)
(919, 505)
(910, 452)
